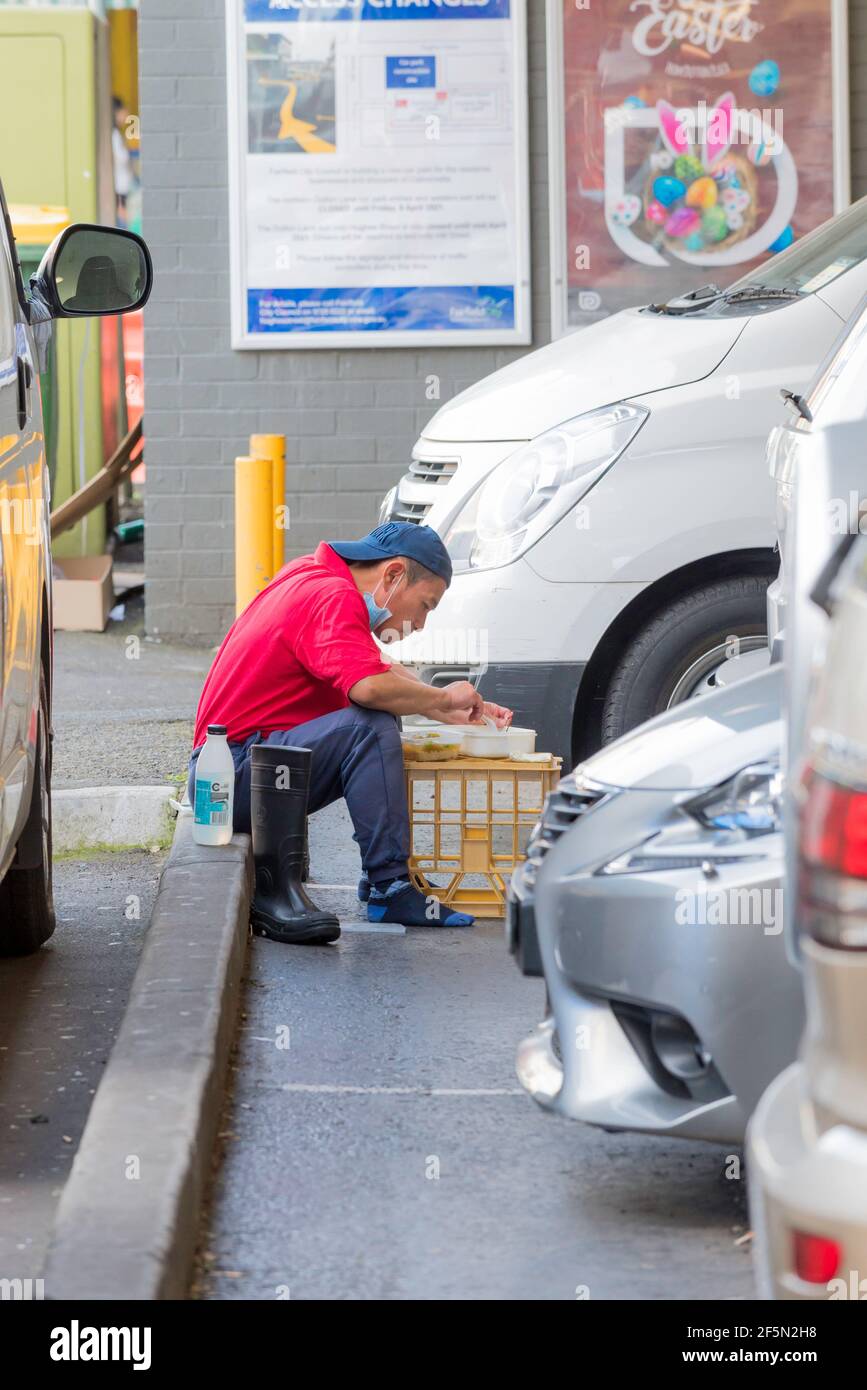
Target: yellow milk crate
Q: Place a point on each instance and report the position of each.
(470, 820)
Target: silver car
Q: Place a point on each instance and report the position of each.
(650, 900)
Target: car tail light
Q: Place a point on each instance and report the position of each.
(817, 1259)
(833, 861)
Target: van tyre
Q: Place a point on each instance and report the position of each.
(26, 894)
(678, 653)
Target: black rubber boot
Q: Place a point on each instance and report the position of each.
(279, 782)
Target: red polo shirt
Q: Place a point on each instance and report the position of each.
(294, 653)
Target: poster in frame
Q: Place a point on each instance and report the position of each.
(688, 141)
(378, 174)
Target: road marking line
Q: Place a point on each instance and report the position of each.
(383, 928)
(403, 1090)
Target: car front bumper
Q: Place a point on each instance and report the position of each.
(522, 936)
(661, 1020)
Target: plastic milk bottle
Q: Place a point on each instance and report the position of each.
(215, 790)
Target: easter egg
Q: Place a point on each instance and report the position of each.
(783, 240)
(667, 190)
(683, 222)
(702, 193)
(694, 242)
(734, 220)
(687, 168)
(735, 199)
(713, 224)
(634, 102)
(625, 210)
(765, 78)
(655, 212)
(759, 153)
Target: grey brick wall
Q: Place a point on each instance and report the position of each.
(350, 417)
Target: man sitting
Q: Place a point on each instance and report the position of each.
(299, 669)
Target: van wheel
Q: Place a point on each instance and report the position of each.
(680, 652)
(26, 894)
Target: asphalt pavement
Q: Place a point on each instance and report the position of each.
(377, 1145)
(60, 1010)
(123, 713)
(375, 1142)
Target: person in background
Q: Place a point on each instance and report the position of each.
(121, 159)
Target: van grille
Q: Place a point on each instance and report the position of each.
(433, 470)
(409, 511)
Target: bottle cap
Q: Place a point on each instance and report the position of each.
(216, 728)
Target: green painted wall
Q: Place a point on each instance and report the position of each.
(54, 148)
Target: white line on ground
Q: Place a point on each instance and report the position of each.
(403, 1090)
(383, 928)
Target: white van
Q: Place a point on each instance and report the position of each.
(606, 500)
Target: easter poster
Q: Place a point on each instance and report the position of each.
(694, 138)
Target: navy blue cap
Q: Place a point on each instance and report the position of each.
(419, 543)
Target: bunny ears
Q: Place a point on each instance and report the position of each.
(678, 127)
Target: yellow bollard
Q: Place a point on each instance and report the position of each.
(254, 540)
(273, 447)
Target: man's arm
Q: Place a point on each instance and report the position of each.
(405, 671)
(445, 714)
(398, 695)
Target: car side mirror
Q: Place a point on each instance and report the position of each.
(90, 270)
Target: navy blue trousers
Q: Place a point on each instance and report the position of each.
(356, 755)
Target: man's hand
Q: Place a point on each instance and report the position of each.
(401, 692)
(461, 704)
(458, 703)
(501, 716)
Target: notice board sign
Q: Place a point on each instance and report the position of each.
(689, 141)
(378, 173)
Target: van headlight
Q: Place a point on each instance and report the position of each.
(529, 492)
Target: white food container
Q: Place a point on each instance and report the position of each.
(476, 740)
(522, 740)
(487, 742)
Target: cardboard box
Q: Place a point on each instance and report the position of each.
(84, 596)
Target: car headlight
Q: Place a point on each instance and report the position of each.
(751, 803)
(528, 493)
(712, 830)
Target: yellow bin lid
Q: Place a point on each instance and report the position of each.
(32, 222)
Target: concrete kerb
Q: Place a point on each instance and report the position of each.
(127, 1220)
(86, 818)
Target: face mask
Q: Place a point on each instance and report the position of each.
(376, 614)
